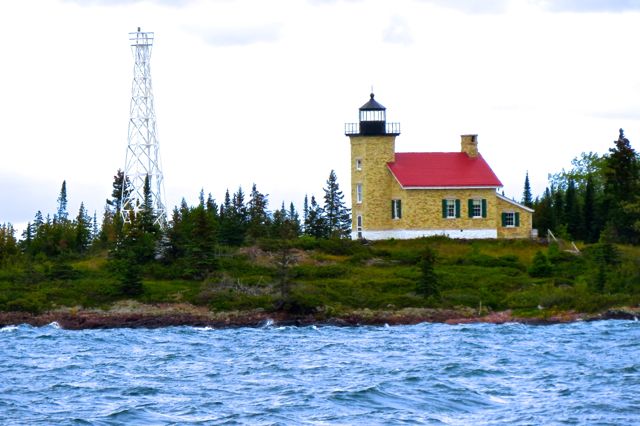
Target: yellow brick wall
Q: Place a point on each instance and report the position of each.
(422, 209)
(526, 221)
(374, 152)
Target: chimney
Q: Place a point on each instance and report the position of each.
(469, 145)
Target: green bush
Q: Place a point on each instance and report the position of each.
(540, 267)
(320, 271)
(32, 303)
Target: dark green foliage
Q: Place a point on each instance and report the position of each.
(83, 230)
(8, 245)
(540, 266)
(315, 224)
(428, 282)
(257, 215)
(61, 215)
(336, 214)
(527, 198)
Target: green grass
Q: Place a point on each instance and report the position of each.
(330, 277)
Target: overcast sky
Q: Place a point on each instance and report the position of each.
(259, 91)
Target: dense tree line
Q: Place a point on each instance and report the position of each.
(597, 199)
(188, 242)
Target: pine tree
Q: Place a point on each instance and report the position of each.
(61, 215)
(589, 222)
(121, 190)
(83, 230)
(95, 232)
(622, 181)
(257, 214)
(316, 225)
(428, 282)
(337, 216)
(527, 199)
(295, 219)
(572, 211)
(305, 212)
(543, 220)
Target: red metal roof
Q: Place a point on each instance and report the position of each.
(442, 169)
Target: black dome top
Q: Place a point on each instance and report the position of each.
(372, 105)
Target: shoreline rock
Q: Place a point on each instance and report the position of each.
(136, 315)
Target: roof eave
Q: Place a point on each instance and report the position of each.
(515, 203)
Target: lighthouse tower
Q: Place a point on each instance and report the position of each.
(142, 158)
(373, 143)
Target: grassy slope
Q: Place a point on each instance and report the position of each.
(332, 278)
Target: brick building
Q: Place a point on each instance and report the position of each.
(416, 194)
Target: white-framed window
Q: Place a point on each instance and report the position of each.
(358, 192)
(358, 163)
(359, 226)
(396, 209)
(450, 208)
(476, 208)
(510, 219)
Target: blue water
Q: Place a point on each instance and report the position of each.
(481, 374)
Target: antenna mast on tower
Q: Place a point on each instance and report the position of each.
(143, 157)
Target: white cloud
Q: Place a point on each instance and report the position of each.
(238, 36)
(590, 5)
(398, 32)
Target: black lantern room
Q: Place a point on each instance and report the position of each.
(373, 121)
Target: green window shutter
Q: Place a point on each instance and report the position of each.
(392, 212)
(517, 219)
(444, 209)
(484, 208)
(399, 209)
(504, 219)
(470, 207)
(457, 208)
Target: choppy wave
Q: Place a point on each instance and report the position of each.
(481, 374)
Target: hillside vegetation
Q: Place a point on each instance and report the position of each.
(329, 278)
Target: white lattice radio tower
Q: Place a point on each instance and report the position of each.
(143, 153)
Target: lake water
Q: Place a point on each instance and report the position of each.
(480, 374)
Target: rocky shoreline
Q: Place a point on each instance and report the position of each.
(135, 315)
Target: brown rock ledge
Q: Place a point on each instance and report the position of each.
(135, 315)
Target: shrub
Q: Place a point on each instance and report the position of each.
(541, 267)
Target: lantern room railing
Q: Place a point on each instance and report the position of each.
(372, 128)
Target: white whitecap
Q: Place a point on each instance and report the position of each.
(55, 325)
(8, 328)
(268, 323)
(497, 399)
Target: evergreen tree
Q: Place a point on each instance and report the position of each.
(572, 211)
(61, 215)
(337, 215)
(558, 209)
(121, 190)
(8, 244)
(527, 199)
(295, 219)
(428, 282)
(233, 219)
(315, 225)
(95, 232)
(589, 223)
(257, 214)
(544, 220)
(83, 230)
(621, 189)
(305, 212)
